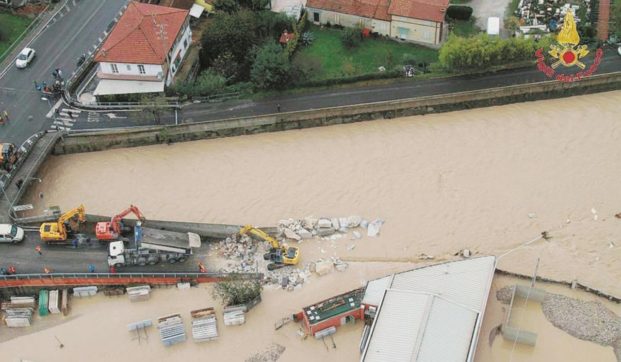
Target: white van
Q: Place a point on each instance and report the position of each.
(11, 233)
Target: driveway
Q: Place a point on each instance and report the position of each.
(483, 9)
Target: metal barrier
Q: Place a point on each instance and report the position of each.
(24, 149)
(53, 279)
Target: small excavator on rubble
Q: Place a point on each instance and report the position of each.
(113, 229)
(280, 255)
(52, 232)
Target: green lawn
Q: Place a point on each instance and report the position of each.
(332, 60)
(11, 27)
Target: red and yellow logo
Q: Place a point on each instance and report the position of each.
(568, 53)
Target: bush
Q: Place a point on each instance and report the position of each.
(351, 37)
(483, 51)
(307, 38)
(459, 12)
(237, 291)
(393, 73)
(615, 15)
(227, 6)
(207, 83)
(271, 67)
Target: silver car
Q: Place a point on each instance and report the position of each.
(25, 57)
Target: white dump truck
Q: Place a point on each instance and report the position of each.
(151, 246)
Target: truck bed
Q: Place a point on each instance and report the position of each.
(169, 238)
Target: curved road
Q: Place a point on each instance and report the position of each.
(77, 28)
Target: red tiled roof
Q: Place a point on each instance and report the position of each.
(432, 10)
(136, 36)
(373, 9)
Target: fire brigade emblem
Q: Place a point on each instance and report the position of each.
(568, 53)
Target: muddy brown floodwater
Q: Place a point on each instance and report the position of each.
(488, 179)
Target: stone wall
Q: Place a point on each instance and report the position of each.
(97, 141)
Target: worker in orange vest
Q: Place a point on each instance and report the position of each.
(38, 249)
(201, 268)
(47, 270)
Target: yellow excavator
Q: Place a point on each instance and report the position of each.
(280, 255)
(57, 231)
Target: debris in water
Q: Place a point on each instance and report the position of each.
(374, 227)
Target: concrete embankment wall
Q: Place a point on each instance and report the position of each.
(97, 141)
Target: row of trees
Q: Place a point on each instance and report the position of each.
(616, 18)
(231, 42)
(482, 51)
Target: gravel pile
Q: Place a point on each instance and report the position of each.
(273, 353)
(504, 295)
(590, 321)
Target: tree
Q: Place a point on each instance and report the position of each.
(207, 83)
(153, 107)
(271, 68)
(226, 65)
(229, 32)
(227, 6)
(351, 37)
(236, 292)
(459, 12)
(615, 16)
(512, 24)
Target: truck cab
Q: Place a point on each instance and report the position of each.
(115, 256)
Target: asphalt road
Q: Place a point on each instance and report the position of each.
(407, 88)
(66, 259)
(403, 90)
(75, 30)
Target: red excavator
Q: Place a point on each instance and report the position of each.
(112, 230)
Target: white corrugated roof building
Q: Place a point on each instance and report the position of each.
(432, 313)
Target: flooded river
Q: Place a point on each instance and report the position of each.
(490, 180)
(487, 179)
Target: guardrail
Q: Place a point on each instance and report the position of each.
(23, 149)
(54, 279)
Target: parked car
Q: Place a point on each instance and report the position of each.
(25, 57)
(11, 233)
(619, 50)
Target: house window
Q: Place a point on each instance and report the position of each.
(403, 32)
(129, 67)
(185, 43)
(115, 69)
(141, 69)
(316, 17)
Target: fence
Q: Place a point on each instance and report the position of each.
(24, 149)
(40, 280)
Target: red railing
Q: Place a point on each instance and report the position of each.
(86, 279)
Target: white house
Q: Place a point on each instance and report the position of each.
(418, 21)
(144, 50)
